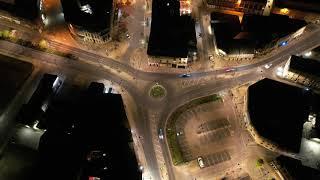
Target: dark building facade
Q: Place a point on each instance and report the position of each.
(90, 21)
(245, 6)
(274, 107)
(28, 9)
(88, 137)
(253, 33)
(171, 35)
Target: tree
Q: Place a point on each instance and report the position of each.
(6, 34)
(259, 162)
(43, 44)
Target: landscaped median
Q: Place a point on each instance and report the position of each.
(157, 91)
(171, 133)
(42, 45)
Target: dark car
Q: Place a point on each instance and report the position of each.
(185, 75)
(97, 165)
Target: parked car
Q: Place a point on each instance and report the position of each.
(230, 69)
(161, 134)
(200, 162)
(185, 75)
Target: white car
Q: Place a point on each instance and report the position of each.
(160, 134)
(230, 69)
(200, 162)
(267, 66)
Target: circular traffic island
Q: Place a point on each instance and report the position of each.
(157, 91)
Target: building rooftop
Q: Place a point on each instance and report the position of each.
(225, 3)
(94, 15)
(28, 9)
(293, 169)
(254, 30)
(259, 1)
(92, 121)
(303, 5)
(306, 66)
(278, 111)
(171, 34)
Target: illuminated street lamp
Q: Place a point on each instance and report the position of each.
(284, 11)
(280, 71)
(308, 54)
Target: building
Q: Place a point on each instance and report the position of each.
(230, 41)
(232, 4)
(28, 9)
(172, 35)
(8, 1)
(302, 5)
(304, 71)
(308, 10)
(253, 6)
(185, 7)
(241, 39)
(278, 111)
(245, 6)
(88, 137)
(90, 21)
(289, 169)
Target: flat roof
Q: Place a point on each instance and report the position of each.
(304, 65)
(94, 15)
(303, 5)
(8, 1)
(296, 169)
(100, 123)
(254, 29)
(259, 1)
(171, 34)
(278, 111)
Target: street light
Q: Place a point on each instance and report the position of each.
(284, 11)
(280, 71)
(308, 54)
(209, 30)
(141, 168)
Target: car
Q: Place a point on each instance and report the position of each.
(230, 69)
(128, 36)
(185, 75)
(161, 134)
(200, 162)
(267, 66)
(283, 43)
(96, 155)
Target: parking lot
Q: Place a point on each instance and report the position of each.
(209, 131)
(216, 158)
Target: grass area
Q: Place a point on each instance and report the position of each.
(42, 45)
(176, 154)
(13, 74)
(259, 162)
(157, 91)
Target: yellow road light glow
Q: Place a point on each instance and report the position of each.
(284, 11)
(209, 30)
(308, 54)
(280, 71)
